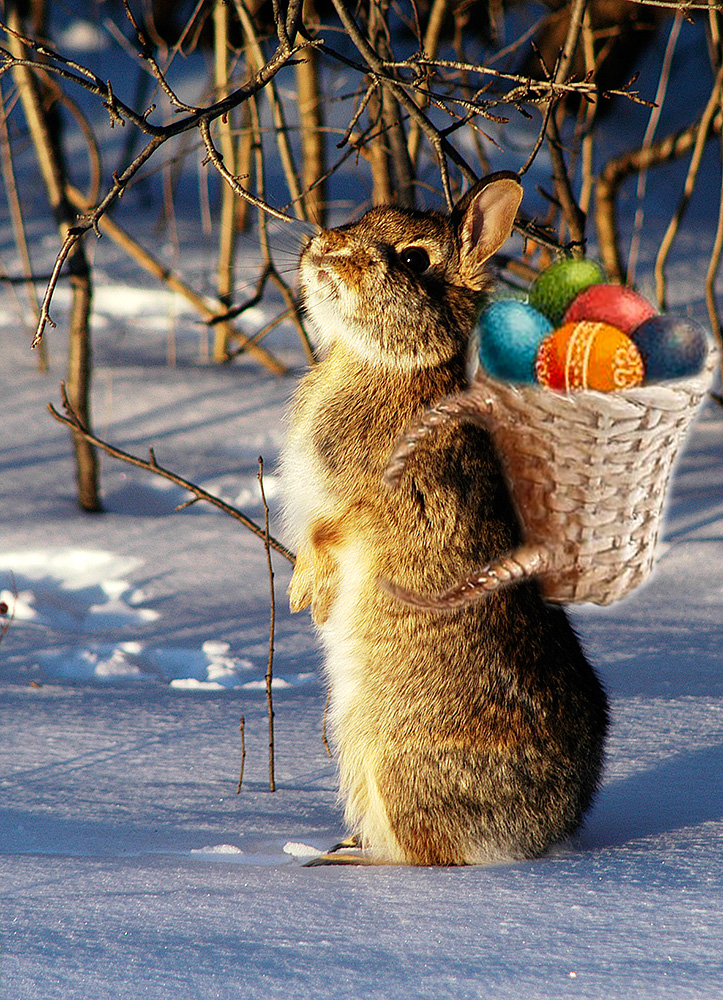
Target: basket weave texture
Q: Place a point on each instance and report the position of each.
(588, 474)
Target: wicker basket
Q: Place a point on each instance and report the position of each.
(588, 473)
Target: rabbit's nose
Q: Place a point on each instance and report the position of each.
(331, 241)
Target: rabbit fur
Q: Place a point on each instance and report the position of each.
(463, 737)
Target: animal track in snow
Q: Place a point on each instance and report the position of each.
(76, 598)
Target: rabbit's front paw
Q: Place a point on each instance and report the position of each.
(326, 585)
(301, 587)
(314, 583)
(322, 602)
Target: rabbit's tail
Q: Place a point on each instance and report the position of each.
(522, 564)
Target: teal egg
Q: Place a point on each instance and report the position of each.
(556, 287)
(510, 333)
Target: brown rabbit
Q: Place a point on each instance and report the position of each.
(467, 736)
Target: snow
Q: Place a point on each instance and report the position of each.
(129, 865)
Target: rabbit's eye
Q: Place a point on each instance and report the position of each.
(416, 259)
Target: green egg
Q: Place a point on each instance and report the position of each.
(556, 287)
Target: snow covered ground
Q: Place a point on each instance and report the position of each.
(129, 866)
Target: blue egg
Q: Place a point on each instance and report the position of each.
(510, 332)
(671, 347)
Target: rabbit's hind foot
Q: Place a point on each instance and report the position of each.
(346, 852)
(340, 859)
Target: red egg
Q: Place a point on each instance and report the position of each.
(614, 304)
(588, 356)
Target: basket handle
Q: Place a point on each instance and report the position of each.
(468, 405)
(522, 564)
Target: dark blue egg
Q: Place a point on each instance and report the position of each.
(671, 347)
(510, 333)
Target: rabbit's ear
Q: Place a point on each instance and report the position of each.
(483, 220)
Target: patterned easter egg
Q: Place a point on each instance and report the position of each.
(589, 356)
(614, 304)
(671, 347)
(553, 291)
(510, 333)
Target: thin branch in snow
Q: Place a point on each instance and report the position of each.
(7, 612)
(324, 740)
(272, 626)
(72, 420)
(242, 728)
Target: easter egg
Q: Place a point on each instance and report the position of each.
(671, 347)
(614, 304)
(555, 288)
(510, 333)
(589, 356)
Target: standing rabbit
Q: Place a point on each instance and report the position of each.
(469, 736)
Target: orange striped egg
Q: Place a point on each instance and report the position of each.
(588, 355)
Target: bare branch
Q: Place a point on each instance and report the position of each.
(195, 118)
(625, 165)
(443, 149)
(272, 626)
(571, 210)
(282, 139)
(72, 421)
(7, 613)
(217, 159)
(704, 130)
(242, 729)
(648, 139)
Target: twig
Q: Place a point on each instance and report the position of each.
(540, 138)
(618, 169)
(573, 36)
(429, 45)
(586, 120)
(146, 54)
(324, 740)
(249, 303)
(242, 727)
(6, 612)
(272, 625)
(710, 277)
(16, 214)
(648, 138)
(572, 213)
(73, 422)
(443, 149)
(194, 118)
(716, 57)
(256, 54)
(82, 226)
(263, 332)
(367, 96)
(227, 212)
(684, 5)
(173, 281)
(217, 159)
(713, 106)
(529, 90)
(288, 296)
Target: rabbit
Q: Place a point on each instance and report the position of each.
(469, 736)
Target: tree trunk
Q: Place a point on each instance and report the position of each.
(392, 167)
(312, 139)
(52, 167)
